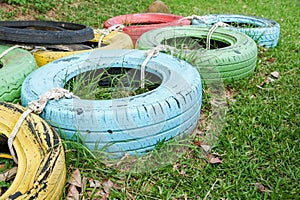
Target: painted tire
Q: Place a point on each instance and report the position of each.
(114, 40)
(265, 32)
(147, 21)
(41, 170)
(14, 67)
(46, 32)
(131, 125)
(236, 61)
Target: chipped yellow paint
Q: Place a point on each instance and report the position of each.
(41, 170)
(114, 40)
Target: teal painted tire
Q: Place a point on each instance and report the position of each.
(236, 60)
(131, 125)
(14, 67)
(264, 31)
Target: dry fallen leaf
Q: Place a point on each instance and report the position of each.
(75, 185)
(270, 60)
(176, 166)
(260, 187)
(198, 143)
(215, 160)
(75, 178)
(275, 74)
(8, 174)
(94, 183)
(206, 148)
(73, 193)
(107, 185)
(99, 195)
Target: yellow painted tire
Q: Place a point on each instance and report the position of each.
(114, 40)
(41, 170)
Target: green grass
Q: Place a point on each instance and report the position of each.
(260, 140)
(110, 83)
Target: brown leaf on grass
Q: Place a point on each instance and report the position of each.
(99, 195)
(176, 166)
(94, 183)
(275, 74)
(107, 185)
(2, 165)
(206, 148)
(103, 193)
(73, 193)
(75, 185)
(215, 160)
(198, 143)
(8, 174)
(75, 178)
(270, 60)
(260, 187)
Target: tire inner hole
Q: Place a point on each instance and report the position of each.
(111, 83)
(242, 25)
(194, 43)
(6, 163)
(128, 23)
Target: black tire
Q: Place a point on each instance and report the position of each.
(234, 61)
(44, 32)
(130, 125)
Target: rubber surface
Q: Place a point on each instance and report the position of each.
(235, 61)
(114, 40)
(14, 67)
(41, 170)
(137, 24)
(130, 125)
(264, 31)
(44, 32)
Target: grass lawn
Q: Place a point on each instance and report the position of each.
(259, 143)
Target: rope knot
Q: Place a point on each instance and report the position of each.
(105, 32)
(191, 17)
(212, 30)
(153, 53)
(37, 107)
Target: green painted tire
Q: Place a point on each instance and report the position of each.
(234, 59)
(14, 68)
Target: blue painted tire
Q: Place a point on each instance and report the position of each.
(264, 31)
(235, 61)
(131, 125)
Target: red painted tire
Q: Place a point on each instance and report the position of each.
(137, 24)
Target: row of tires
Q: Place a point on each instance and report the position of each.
(235, 60)
(131, 125)
(233, 57)
(264, 31)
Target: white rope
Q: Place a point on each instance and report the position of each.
(33, 49)
(200, 18)
(37, 107)
(105, 32)
(152, 53)
(8, 50)
(211, 31)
